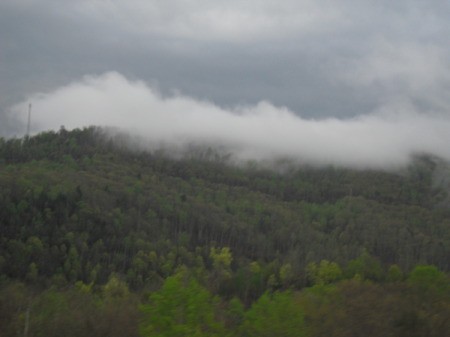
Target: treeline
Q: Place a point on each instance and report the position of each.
(81, 212)
(416, 305)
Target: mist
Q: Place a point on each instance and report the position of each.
(386, 138)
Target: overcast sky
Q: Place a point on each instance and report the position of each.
(318, 61)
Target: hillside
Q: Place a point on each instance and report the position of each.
(80, 209)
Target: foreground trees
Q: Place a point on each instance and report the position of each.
(181, 308)
(184, 306)
(71, 312)
(276, 314)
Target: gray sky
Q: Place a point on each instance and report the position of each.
(345, 61)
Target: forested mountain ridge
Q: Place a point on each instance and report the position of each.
(81, 208)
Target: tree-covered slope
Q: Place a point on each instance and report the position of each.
(82, 208)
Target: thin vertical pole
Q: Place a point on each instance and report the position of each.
(29, 120)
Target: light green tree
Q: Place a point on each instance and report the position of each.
(325, 272)
(182, 307)
(221, 258)
(427, 278)
(274, 314)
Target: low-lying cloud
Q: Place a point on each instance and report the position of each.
(386, 138)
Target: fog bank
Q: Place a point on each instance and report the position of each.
(386, 138)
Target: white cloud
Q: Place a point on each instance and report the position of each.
(382, 140)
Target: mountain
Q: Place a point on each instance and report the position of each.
(86, 208)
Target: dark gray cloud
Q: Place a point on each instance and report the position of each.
(320, 59)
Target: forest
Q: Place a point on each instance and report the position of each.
(98, 238)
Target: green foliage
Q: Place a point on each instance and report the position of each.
(115, 288)
(365, 267)
(274, 314)
(221, 264)
(429, 278)
(324, 273)
(222, 258)
(235, 314)
(181, 308)
(354, 307)
(394, 274)
(70, 312)
(14, 301)
(286, 274)
(78, 206)
(89, 225)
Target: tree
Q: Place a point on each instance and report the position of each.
(182, 307)
(274, 314)
(324, 273)
(366, 267)
(221, 260)
(428, 278)
(394, 274)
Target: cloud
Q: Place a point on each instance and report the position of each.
(337, 58)
(232, 20)
(385, 139)
(202, 20)
(420, 73)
